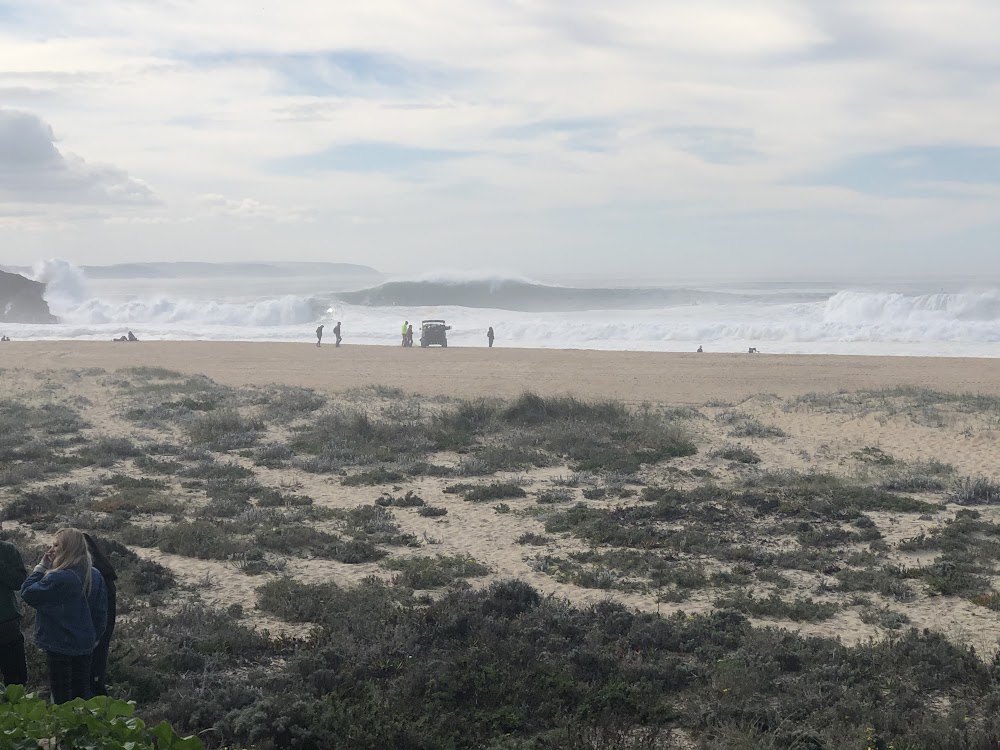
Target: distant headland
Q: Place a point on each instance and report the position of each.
(23, 300)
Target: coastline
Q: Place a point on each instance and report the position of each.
(684, 378)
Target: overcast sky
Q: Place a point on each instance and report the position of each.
(730, 137)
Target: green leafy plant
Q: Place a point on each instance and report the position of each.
(28, 723)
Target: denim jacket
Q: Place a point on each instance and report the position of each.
(66, 621)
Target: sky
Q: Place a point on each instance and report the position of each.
(653, 138)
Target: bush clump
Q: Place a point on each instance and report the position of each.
(432, 511)
(797, 610)
(225, 430)
(434, 572)
(975, 491)
(739, 453)
(485, 493)
(409, 500)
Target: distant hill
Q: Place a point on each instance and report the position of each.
(22, 300)
(189, 270)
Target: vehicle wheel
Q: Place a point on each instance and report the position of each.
(423, 345)
(444, 345)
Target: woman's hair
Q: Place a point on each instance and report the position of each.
(99, 560)
(73, 551)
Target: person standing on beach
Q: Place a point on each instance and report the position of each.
(71, 610)
(319, 335)
(406, 325)
(489, 336)
(99, 660)
(13, 665)
(336, 332)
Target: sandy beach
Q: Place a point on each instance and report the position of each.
(472, 372)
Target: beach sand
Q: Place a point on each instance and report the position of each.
(830, 435)
(471, 372)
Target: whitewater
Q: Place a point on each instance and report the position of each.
(900, 318)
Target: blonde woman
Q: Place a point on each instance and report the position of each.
(71, 603)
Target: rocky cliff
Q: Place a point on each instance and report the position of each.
(22, 300)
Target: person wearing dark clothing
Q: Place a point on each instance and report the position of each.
(13, 666)
(336, 332)
(489, 336)
(131, 336)
(99, 660)
(71, 610)
(319, 335)
(409, 335)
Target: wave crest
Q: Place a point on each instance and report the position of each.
(523, 296)
(860, 308)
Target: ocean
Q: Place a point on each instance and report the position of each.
(286, 301)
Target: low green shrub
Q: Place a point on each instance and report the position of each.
(554, 495)
(27, 721)
(409, 500)
(107, 451)
(751, 427)
(485, 493)
(739, 453)
(797, 610)
(431, 511)
(434, 572)
(975, 491)
(225, 430)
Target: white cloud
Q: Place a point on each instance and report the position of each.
(33, 170)
(250, 209)
(708, 110)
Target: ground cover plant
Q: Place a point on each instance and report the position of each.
(529, 431)
(29, 722)
(298, 570)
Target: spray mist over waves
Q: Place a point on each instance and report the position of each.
(882, 307)
(529, 314)
(68, 297)
(526, 296)
(65, 284)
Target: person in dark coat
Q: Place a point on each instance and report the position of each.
(99, 659)
(71, 611)
(319, 335)
(336, 332)
(13, 665)
(490, 336)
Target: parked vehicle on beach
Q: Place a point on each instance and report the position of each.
(433, 333)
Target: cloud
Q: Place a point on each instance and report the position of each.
(916, 171)
(338, 72)
(457, 121)
(367, 157)
(250, 209)
(33, 170)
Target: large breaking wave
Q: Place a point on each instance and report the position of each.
(525, 296)
(530, 314)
